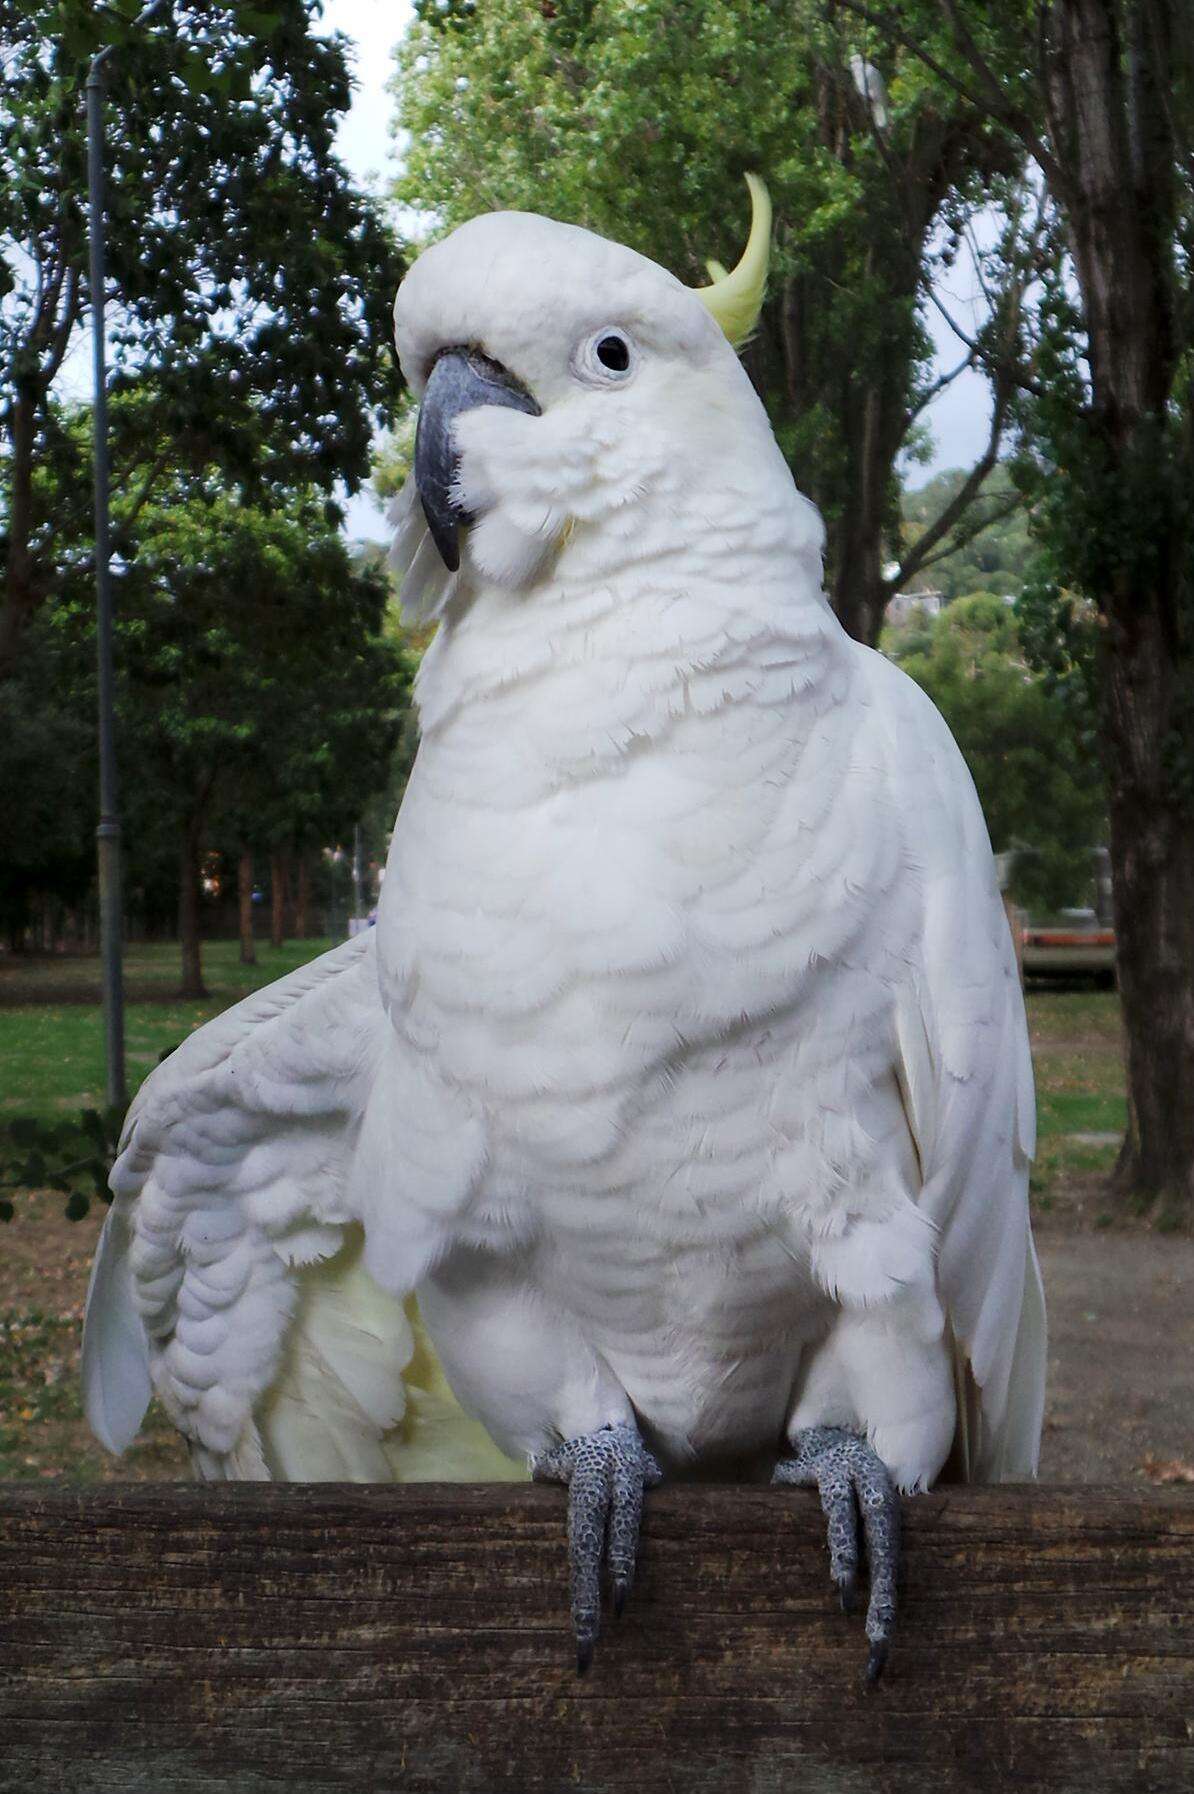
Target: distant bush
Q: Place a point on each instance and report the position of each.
(1029, 750)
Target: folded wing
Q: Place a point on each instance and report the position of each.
(966, 1074)
(229, 1277)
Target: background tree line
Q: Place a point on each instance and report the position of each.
(1049, 146)
(261, 689)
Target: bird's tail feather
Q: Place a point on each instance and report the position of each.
(1009, 1451)
(1020, 1444)
(116, 1385)
(360, 1396)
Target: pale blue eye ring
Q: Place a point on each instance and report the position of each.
(608, 357)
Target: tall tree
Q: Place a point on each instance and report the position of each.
(1100, 94)
(247, 276)
(640, 123)
(1029, 749)
(260, 695)
(47, 785)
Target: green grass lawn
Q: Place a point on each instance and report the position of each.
(52, 1066)
(1077, 1054)
(51, 1028)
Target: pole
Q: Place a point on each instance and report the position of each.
(107, 834)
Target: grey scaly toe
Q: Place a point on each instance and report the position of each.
(852, 1479)
(605, 1473)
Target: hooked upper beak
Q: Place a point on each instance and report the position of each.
(461, 380)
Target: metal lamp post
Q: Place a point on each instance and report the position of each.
(108, 832)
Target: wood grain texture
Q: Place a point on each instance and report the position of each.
(174, 1639)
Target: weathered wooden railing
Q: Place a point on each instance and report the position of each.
(170, 1639)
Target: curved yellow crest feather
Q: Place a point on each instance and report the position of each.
(735, 299)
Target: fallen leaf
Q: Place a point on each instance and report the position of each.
(1166, 1470)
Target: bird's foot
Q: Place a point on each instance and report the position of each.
(852, 1478)
(606, 1473)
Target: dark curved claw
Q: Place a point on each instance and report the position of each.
(852, 1480)
(605, 1473)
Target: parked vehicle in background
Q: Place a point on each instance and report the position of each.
(1072, 944)
(1076, 942)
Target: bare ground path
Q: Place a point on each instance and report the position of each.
(1121, 1354)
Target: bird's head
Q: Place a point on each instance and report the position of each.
(565, 379)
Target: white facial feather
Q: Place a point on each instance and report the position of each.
(609, 451)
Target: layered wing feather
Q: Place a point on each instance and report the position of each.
(966, 1075)
(229, 1275)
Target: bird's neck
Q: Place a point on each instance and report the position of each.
(671, 613)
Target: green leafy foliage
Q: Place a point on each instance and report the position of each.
(72, 1156)
(1031, 753)
(260, 685)
(260, 693)
(639, 122)
(249, 283)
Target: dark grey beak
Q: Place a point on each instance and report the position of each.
(461, 380)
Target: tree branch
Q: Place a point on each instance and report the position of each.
(943, 523)
(157, 466)
(62, 335)
(997, 103)
(1005, 375)
(995, 107)
(967, 533)
(930, 393)
(995, 367)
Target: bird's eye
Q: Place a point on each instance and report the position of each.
(613, 352)
(607, 358)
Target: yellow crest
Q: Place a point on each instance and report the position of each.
(735, 299)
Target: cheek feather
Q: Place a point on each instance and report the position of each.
(528, 482)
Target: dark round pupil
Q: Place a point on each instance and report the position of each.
(613, 353)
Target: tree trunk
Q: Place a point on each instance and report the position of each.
(1152, 859)
(874, 404)
(857, 591)
(302, 901)
(188, 908)
(279, 879)
(1109, 83)
(30, 374)
(244, 895)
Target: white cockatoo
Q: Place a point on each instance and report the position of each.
(870, 87)
(678, 1111)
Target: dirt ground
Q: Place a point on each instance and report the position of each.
(1121, 1354)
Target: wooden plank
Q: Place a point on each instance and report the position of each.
(176, 1639)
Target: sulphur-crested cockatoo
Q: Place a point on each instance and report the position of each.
(678, 1111)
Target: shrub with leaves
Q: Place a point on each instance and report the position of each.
(71, 1156)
